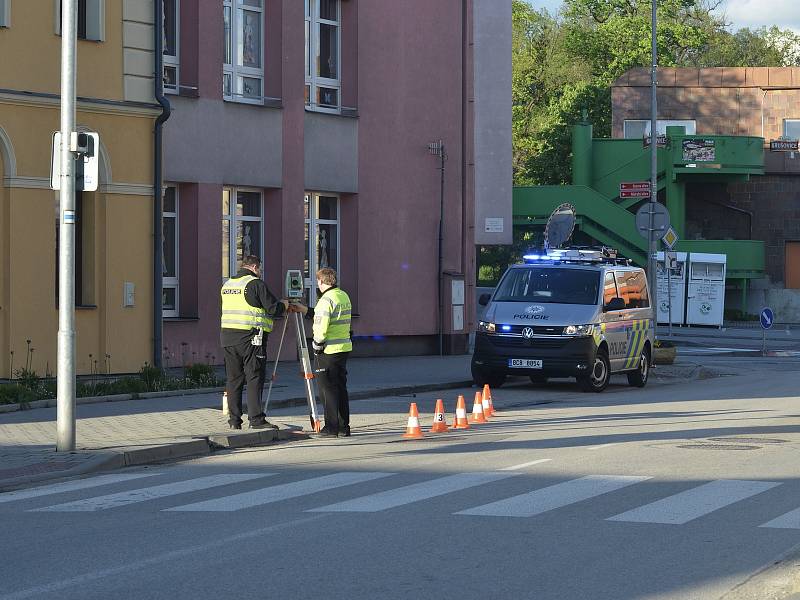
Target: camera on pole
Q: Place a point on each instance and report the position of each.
(85, 148)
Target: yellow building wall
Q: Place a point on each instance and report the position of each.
(121, 240)
(31, 50)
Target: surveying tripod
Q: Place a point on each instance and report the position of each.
(294, 291)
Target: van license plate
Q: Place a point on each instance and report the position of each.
(524, 363)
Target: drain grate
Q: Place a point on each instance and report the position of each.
(749, 440)
(718, 447)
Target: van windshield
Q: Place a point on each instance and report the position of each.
(549, 285)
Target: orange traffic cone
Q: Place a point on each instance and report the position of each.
(439, 421)
(461, 415)
(487, 393)
(477, 415)
(412, 429)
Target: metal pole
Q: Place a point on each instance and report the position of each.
(66, 251)
(669, 292)
(441, 237)
(652, 242)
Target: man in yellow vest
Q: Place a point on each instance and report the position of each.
(248, 310)
(332, 345)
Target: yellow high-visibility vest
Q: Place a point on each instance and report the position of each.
(236, 312)
(332, 321)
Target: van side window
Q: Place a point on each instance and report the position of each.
(633, 289)
(609, 288)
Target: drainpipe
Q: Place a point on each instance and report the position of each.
(158, 246)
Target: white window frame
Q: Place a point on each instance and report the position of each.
(5, 13)
(95, 20)
(173, 61)
(173, 282)
(313, 81)
(311, 224)
(232, 218)
(661, 125)
(796, 124)
(235, 70)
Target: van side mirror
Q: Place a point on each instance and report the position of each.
(615, 304)
(483, 299)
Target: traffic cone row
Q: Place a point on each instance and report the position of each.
(482, 409)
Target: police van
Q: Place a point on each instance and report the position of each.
(580, 313)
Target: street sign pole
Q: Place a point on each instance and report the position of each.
(651, 246)
(668, 265)
(65, 386)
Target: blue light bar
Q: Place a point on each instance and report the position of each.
(506, 327)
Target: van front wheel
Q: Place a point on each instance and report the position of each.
(638, 378)
(481, 378)
(596, 380)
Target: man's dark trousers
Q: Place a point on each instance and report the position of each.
(245, 362)
(331, 374)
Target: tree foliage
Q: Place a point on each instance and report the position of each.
(565, 64)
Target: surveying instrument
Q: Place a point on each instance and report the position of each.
(294, 292)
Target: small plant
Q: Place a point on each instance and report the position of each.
(154, 378)
(663, 344)
(200, 375)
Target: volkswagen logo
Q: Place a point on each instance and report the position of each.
(534, 309)
(527, 332)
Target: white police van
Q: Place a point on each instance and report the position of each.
(580, 313)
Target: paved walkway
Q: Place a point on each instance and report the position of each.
(117, 433)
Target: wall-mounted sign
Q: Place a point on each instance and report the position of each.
(661, 140)
(493, 225)
(784, 145)
(699, 150)
(635, 189)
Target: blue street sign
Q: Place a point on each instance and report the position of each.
(767, 318)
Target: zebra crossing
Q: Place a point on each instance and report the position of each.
(689, 505)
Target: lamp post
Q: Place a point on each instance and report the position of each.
(65, 384)
(652, 246)
(437, 149)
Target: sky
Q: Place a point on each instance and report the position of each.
(740, 13)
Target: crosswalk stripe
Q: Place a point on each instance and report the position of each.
(150, 493)
(279, 492)
(70, 486)
(694, 503)
(554, 496)
(790, 520)
(414, 492)
(527, 464)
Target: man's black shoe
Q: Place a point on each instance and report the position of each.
(326, 433)
(263, 425)
(345, 432)
(235, 426)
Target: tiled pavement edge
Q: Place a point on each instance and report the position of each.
(116, 434)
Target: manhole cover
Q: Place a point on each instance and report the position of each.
(749, 440)
(719, 447)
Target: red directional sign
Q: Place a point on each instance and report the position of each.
(636, 189)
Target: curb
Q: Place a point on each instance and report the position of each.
(775, 580)
(200, 446)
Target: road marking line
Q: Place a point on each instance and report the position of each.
(694, 503)
(154, 562)
(414, 493)
(150, 493)
(790, 520)
(70, 486)
(554, 496)
(527, 464)
(279, 492)
(602, 446)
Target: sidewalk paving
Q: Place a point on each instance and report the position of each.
(116, 434)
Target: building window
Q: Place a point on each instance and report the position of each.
(323, 55)
(322, 238)
(169, 260)
(243, 69)
(171, 32)
(242, 225)
(5, 13)
(791, 129)
(91, 19)
(84, 249)
(640, 128)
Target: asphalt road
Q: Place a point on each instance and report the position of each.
(681, 490)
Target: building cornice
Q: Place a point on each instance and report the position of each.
(95, 105)
(43, 183)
